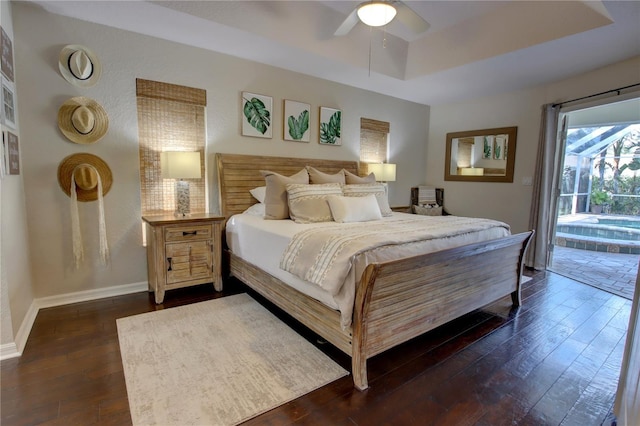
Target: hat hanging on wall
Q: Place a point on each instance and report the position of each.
(84, 169)
(83, 120)
(79, 65)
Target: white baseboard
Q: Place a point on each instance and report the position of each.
(12, 350)
(8, 350)
(83, 296)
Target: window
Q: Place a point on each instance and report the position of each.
(170, 118)
(374, 141)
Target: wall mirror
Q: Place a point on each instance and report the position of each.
(486, 155)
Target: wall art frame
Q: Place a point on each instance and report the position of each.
(330, 126)
(296, 121)
(11, 153)
(6, 57)
(257, 115)
(8, 109)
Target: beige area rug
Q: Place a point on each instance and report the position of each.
(218, 362)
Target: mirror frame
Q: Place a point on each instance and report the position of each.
(511, 132)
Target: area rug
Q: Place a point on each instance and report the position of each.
(218, 362)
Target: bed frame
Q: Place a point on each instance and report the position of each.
(396, 300)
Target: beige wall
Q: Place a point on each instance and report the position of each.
(509, 202)
(126, 56)
(16, 287)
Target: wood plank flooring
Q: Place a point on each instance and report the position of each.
(554, 361)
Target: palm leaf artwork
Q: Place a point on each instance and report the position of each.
(487, 149)
(257, 114)
(298, 126)
(330, 131)
(496, 152)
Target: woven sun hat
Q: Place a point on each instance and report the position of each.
(83, 120)
(79, 65)
(84, 169)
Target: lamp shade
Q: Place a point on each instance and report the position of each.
(180, 165)
(384, 172)
(376, 13)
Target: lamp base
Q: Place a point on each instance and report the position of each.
(183, 202)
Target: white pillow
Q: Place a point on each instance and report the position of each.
(354, 209)
(259, 193)
(255, 210)
(364, 189)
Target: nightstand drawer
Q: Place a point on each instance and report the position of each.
(187, 233)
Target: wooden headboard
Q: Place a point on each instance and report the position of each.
(237, 174)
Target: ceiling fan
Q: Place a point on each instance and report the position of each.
(379, 13)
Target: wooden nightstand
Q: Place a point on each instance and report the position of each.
(182, 252)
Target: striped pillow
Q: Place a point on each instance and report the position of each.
(308, 203)
(364, 189)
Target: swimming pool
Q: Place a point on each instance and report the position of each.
(623, 222)
(598, 233)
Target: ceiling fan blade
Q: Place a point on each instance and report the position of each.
(410, 19)
(348, 24)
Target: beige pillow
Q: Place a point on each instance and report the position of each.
(354, 209)
(364, 189)
(316, 176)
(275, 200)
(350, 178)
(308, 203)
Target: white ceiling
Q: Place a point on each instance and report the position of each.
(471, 49)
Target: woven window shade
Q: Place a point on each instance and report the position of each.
(374, 137)
(170, 118)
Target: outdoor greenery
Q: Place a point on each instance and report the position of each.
(599, 198)
(612, 176)
(618, 169)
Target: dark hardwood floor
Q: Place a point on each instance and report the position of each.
(554, 361)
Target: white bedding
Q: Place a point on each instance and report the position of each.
(262, 243)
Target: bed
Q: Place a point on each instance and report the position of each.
(394, 300)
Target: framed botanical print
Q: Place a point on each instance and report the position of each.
(257, 115)
(330, 126)
(296, 121)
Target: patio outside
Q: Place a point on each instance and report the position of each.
(597, 239)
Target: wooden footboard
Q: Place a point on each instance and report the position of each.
(399, 300)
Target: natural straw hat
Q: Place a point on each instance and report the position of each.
(79, 65)
(83, 120)
(79, 165)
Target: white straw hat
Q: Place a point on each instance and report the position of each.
(79, 65)
(83, 120)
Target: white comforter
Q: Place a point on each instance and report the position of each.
(264, 243)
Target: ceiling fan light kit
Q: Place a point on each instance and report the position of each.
(376, 13)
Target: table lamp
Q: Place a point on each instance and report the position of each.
(384, 172)
(181, 165)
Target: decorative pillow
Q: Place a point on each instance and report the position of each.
(316, 176)
(364, 189)
(259, 193)
(350, 178)
(354, 209)
(255, 210)
(308, 203)
(275, 200)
